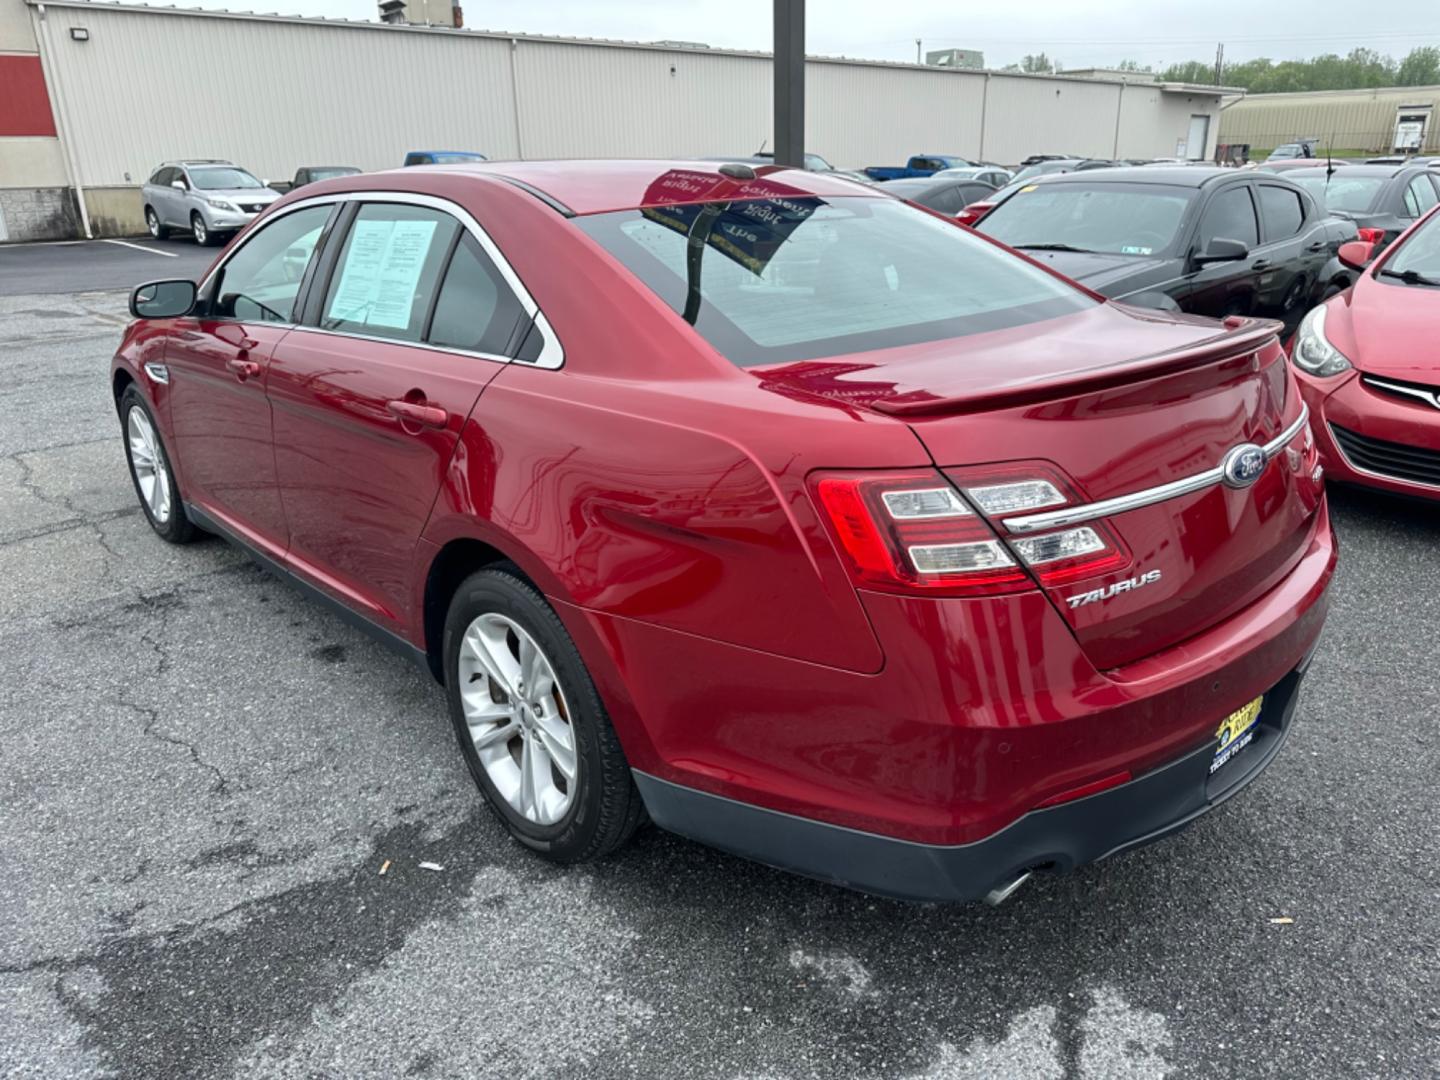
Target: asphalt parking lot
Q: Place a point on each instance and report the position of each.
(204, 775)
(70, 266)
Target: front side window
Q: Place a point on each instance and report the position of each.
(262, 279)
(1115, 218)
(1283, 212)
(794, 278)
(1230, 216)
(222, 178)
(386, 278)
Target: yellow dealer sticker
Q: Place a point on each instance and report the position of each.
(1236, 732)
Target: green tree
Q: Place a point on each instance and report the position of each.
(1421, 67)
(1131, 65)
(1192, 71)
(1039, 63)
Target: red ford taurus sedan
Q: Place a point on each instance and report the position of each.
(1369, 367)
(816, 527)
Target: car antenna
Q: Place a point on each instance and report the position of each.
(1329, 162)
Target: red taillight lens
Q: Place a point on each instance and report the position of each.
(1371, 236)
(911, 532)
(973, 213)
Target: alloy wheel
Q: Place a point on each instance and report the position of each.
(201, 233)
(148, 463)
(152, 223)
(518, 719)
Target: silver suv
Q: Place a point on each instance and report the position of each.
(209, 199)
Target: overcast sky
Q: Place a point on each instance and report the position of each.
(1078, 33)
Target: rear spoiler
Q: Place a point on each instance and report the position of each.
(1242, 335)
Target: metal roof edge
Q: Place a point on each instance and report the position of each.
(612, 43)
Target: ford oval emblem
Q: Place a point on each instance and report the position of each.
(1243, 465)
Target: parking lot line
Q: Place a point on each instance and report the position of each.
(141, 247)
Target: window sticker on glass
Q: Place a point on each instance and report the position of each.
(1131, 249)
(382, 270)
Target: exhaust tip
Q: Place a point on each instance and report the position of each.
(1001, 893)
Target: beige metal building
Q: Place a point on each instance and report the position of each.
(1382, 121)
(132, 86)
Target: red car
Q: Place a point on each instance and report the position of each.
(1369, 367)
(814, 526)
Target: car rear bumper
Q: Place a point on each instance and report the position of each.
(1374, 439)
(1058, 838)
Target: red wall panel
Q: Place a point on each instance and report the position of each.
(24, 101)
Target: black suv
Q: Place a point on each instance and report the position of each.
(1207, 240)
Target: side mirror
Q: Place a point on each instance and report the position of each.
(1221, 249)
(162, 299)
(179, 185)
(1356, 254)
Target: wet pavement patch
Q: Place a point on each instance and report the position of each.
(188, 1002)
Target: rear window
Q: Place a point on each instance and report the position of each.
(787, 279)
(1352, 194)
(1118, 219)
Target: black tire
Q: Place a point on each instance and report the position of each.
(606, 809)
(175, 528)
(1335, 288)
(152, 222)
(203, 234)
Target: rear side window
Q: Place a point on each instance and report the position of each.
(386, 279)
(1419, 196)
(1230, 216)
(789, 278)
(1282, 211)
(946, 200)
(476, 310)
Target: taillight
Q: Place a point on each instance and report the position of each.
(973, 213)
(1054, 558)
(1371, 236)
(919, 532)
(912, 532)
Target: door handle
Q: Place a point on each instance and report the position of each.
(416, 413)
(1260, 264)
(1317, 246)
(243, 369)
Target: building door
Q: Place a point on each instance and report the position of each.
(1410, 124)
(1198, 138)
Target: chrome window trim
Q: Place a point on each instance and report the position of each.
(495, 358)
(1387, 477)
(1430, 397)
(1078, 515)
(552, 355)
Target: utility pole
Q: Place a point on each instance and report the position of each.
(790, 82)
(1219, 63)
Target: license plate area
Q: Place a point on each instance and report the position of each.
(1236, 733)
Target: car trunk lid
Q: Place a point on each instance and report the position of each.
(1058, 398)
